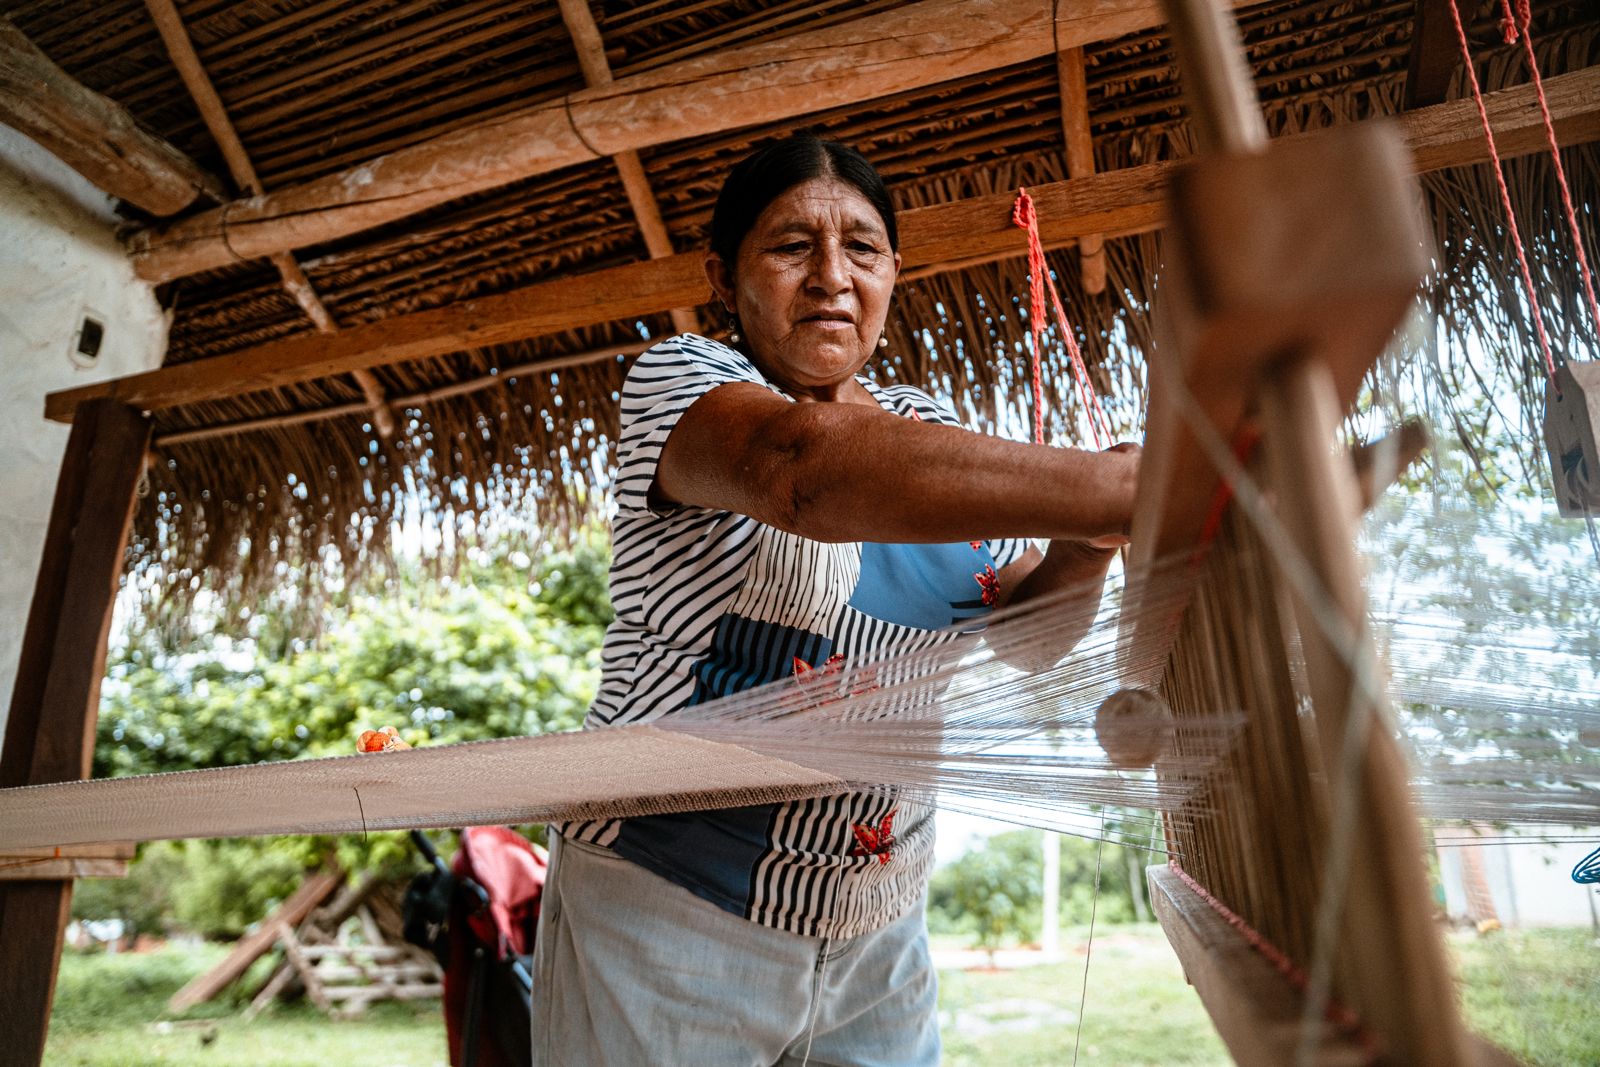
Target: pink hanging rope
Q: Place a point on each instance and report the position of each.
(1520, 24)
(1024, 214)
(1505, 193)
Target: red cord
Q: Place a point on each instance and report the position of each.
(1505, 193)
(1024, 214)
(1517, 25)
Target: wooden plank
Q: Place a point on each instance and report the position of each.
(1253, 1006)
(1387, 957)
(1128, 200)
(1435, 54)
(284, 934)
(50, 732)
(1256, 1011)
(366, 994)
(111, 850)
(94, 135)
(835, 66)
(313, 891)
(38, 870)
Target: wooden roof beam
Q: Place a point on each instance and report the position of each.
(93, 135)
(1118, 201)
(184, 57)
(908, 47)
(646, 211)
(1080, 157)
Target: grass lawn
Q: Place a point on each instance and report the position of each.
(1536, 993)
(1139, 1010)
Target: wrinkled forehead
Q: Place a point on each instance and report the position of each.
(821, 205)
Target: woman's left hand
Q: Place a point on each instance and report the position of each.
(1118, 540)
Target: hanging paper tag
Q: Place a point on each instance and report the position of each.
(1572, 435)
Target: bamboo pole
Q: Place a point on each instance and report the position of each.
(1080, 156)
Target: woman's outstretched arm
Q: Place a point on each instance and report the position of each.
(854, 472)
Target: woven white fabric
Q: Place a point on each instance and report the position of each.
(519, 780)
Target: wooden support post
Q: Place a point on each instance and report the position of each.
(50, 733)
(181, 50)
(94, 135)
(1080, 157)
(596, 68)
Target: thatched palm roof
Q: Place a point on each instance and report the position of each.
(316, 86)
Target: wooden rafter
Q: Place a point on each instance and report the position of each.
(1112, 202)
(1435, 54)
(181, 49)
(835, 66)
(93, 135)
(597, 73)
(1080, 156)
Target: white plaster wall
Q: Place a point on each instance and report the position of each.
(1531, 882)
(1534, 883)
(58, 260)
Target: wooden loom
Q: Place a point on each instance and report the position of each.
(1292, 268)
(1302, 874)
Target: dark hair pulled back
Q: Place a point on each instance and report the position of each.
(773, 169)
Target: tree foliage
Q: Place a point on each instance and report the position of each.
(509, 647)
(995, 892)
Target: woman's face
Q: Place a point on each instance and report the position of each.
(811, 285)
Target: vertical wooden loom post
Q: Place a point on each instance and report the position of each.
(50, 732)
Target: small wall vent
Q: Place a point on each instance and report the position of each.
(86, 346)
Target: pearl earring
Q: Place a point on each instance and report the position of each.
(883, 341)
(733, 327)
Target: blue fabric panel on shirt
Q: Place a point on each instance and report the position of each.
(926, 586)
(712, 854)
(746, 653)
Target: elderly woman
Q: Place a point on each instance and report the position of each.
(778, 511)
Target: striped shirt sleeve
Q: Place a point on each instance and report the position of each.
(663, 383)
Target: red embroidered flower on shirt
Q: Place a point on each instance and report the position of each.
(832, 665)
(816, 679)
(989, 582)
(875, 840)
(976, 545)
